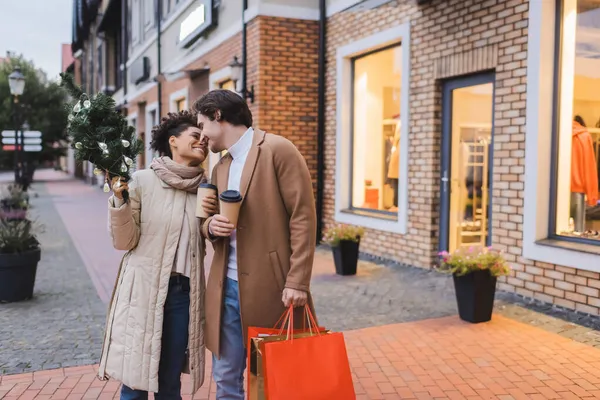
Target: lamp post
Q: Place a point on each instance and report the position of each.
(236, 75)
(16, 82)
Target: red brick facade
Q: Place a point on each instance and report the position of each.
(282, 67)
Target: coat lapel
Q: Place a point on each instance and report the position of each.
(251, 160)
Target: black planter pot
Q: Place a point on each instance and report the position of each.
(345, 256)
(17, 275)
(475, 296)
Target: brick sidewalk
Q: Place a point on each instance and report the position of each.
(442, 358)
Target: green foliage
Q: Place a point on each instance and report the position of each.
(466, 260)
(14, 197)
(334, 235)
(99, 133)
(18, 236)
(41, 106)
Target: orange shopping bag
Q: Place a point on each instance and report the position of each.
(314, 367)
(256, 339)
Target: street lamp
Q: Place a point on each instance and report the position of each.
(16, 83)
(236, 75)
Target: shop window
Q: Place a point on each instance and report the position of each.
(180, 104)
(376, 130)
(372, 121)
(577, 139)
(227, 85)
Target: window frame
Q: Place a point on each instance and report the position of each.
(179, 95)
(374, 219)
(536, 245)
(150, 123)
(556, 121)
(377, 213)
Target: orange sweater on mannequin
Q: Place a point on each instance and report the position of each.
(584, 176)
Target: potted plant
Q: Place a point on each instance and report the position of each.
(14, 203)
(19, 256)
(344, 241)
(475, 270)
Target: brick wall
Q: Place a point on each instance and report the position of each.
(282, 66)
(445, 35)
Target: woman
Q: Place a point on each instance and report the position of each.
(156, 315)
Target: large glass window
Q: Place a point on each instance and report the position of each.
(578, 122)
(376, 131)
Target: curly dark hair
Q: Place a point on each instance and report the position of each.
(171, 125)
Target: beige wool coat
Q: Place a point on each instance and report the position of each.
(148, 227)
(276, 236)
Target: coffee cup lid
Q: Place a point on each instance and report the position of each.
(206, 185)
(231, 196)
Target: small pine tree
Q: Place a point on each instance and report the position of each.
(100, 134)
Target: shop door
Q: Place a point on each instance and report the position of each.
(467, 135)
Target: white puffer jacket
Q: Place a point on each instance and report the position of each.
(149, 227)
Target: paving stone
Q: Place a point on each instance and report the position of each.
(62, 325)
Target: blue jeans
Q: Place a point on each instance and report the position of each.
(228, 371)
(173, 344)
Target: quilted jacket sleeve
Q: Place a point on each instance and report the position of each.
(124, 218)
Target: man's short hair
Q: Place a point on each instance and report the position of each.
(233, 108)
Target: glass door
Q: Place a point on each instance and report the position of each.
(467, 134)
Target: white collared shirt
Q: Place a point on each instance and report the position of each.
(239, 153)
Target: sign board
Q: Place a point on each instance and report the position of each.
(32, 148)
(27, 134)
(29, 148)
(8, 140)
(202, 18)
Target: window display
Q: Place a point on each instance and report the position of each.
(228, 85)
(376, 130)
(578, 141)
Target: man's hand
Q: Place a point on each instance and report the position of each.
(210, 205)
(220, 226)
(298, 298)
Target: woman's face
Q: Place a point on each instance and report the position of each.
(188, 148)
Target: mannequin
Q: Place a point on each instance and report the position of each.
(584, 177)
(394, 164)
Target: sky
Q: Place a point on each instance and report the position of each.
(36, 29)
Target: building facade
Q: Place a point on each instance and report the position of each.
(434, 124)
(157, 57)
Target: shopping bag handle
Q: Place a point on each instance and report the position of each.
(288, 317)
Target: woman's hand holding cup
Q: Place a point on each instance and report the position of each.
(220, 226)
(118, 187)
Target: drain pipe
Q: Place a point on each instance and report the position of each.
(158, 61)
(321, 117)
(244, 49)
(124, 48)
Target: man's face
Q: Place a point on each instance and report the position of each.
(213, 131)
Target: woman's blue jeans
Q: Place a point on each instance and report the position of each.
(174, 344)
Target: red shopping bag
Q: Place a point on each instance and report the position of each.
(314, 367)
(256, 339)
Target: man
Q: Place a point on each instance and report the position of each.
(263, 265)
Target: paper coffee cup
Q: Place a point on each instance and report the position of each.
(204, 189)
(229, 203)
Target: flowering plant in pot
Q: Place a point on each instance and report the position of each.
(345, 242)
(14, 203)
(475, 271)
(19, 256)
